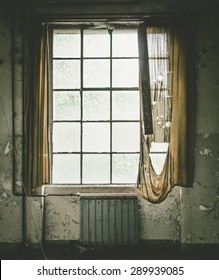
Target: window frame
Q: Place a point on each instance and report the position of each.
(86, 26)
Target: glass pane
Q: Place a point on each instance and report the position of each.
(66, 169)
(66, 74)
(66, 105)
(158, 72)
(96, 105)
(96, 43)
(66, 137)
(158, 161)
(125, 73)
(96, 137)
(125, 43)
(126, 137)
(66, 43)
(96, 73)
(159, 147)
(125, 105)
(125, 168)
(96, 169)
(157, 45)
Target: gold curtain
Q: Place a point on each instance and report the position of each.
(36, 148)
(154, 187)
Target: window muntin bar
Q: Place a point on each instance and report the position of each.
(98, 87)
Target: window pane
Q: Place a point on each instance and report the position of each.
(125, 168)
(125, 105)
(157, 45)
(158, 72)
(96, 105)
(66, 137)
(158, 161)
(96, 169)
(96, 73)
(66, 105)
(66, 43)
(126, 137)
(159, 147)
(66, 169)
(125, 43)
(96, 137)
(66, 74)
(96, 43)
(125, 73)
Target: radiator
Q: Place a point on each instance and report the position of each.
(109, 219)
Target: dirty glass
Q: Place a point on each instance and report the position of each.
(125, 168)
(125, 43)
(66, 74)
(96, 169)
(66, 169)
(96, 137)
(125, 105)
(125, 73)
(66, 43)
(66, 137)
(96, 105)
(66, 105)
(125, 137)
(96, 43)
(96, 73)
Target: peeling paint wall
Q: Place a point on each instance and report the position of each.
(200, 204)
(61, 219)
(10, 205)
(161, 221)
(189, 215)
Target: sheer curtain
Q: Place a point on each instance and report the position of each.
(169, 114)
(36, 148)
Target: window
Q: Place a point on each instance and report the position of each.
(95, 116)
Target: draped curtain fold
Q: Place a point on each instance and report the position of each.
(155, 187)
(36, 148)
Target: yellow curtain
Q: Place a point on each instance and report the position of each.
(36, 148)
(154, 187)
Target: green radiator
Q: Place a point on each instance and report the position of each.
(109, 219)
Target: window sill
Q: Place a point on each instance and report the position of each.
(88, 189)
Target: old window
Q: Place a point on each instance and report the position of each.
(95, 129)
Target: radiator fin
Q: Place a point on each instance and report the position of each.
(109, 220)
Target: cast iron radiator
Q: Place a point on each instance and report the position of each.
(109, 219)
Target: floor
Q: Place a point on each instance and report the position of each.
(141, 251)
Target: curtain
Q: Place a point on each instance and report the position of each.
(169, 116)
(36, 148)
